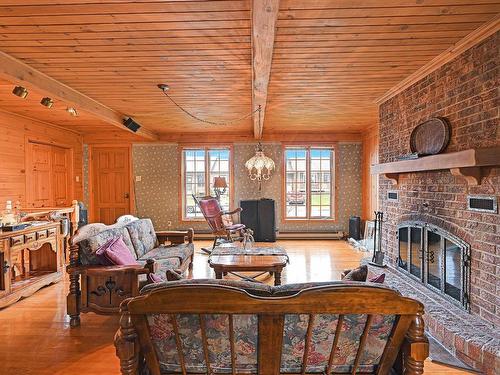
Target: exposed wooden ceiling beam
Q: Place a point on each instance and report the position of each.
(18, 72)
(264, 17)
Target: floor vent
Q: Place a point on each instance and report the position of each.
(392, 196)
(482, 203)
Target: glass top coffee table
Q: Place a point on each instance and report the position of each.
(234, 259)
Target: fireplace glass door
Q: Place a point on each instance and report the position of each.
(416, 252)
(454, 271)
(436, 258)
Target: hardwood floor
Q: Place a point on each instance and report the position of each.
(36, 339)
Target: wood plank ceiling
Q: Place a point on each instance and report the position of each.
(332, 58)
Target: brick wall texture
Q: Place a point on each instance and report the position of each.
(464, 91)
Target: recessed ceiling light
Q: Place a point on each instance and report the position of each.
(72, 111)
(47, 102)
(20, 91)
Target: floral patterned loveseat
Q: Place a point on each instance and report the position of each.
(246, 328)
(99, 288)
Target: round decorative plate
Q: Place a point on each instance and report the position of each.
(430, 137)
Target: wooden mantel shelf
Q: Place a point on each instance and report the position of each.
(470, 164)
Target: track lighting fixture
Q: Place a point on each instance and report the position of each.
(131, 124)
(47, 102)
(72, 111)
(20, 91)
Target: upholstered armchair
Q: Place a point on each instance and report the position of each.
(215, 217)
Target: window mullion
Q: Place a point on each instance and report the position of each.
(308, 183)
(207, 172)
(333, 190)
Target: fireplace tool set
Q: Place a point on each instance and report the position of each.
(378, 254)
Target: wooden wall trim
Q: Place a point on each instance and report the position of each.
(369, 182)
(458, 48)
(15, 70)
(210, 138)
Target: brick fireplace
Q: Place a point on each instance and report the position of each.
(465, 92)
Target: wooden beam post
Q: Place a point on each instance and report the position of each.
(264, 17)
(18, 72)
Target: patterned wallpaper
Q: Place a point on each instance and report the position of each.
(157, 194)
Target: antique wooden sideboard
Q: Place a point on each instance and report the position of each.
(34, 257)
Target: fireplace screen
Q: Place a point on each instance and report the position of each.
(436, 258)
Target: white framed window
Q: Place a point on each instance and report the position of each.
(309, 183)
(200, 165)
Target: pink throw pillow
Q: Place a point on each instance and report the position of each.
(155, 278)
(378, 279)
(115, 252)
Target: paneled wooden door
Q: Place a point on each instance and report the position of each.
(110, 183)
(48, 175)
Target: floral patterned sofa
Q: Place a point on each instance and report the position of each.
(99, 288)
(248, 328)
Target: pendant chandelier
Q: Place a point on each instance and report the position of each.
(260, 166)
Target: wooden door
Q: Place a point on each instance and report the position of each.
(48, 181)
(39, 178)
(61, 176)
(110, 169)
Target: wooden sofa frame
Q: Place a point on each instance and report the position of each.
(405, 352)
(101, 289)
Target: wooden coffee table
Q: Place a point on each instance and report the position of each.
(248, 261)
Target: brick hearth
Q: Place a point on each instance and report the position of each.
(465, 92)
(470, 338)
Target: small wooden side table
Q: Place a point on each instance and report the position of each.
(234, 263)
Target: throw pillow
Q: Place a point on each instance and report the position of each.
(357, 274)
(378, 279)
(116, 253)
(155, 278)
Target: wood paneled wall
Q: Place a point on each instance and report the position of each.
(15, 132)
(370, 182)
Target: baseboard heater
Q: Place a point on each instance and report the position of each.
(338, 235)
(288, 235)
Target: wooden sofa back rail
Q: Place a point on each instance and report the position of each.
(408, 330)
(338, 299)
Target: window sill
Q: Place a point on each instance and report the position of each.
(305, 220)
(187, 220)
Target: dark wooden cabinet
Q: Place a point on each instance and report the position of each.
(260, 216)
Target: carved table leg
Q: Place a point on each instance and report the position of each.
(277, 278)
(191, 262)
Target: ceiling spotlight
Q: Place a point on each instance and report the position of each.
(20, 91)
(72, 111)
(131, 124)
(47, 102)
(163, 87)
